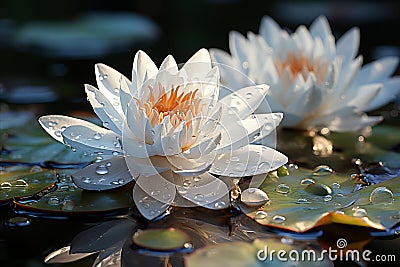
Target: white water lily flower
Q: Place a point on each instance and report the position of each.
(167, 130)
(315, 82)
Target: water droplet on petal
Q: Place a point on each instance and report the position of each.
(234, 158)
(381, 195)
(196, 178)
(121, 181)
(182, 190)
(260, 215)
(101, 169)
(249, 95)
(245, 65)
(254, 197)
(97, 136)
(359, 212)
(155, 192)
(263, 166)
(108, 164)
(186, 183)
(199, 197)
(335, 185)
(103, 76)
(327, 198)
(322, 170)
(278, 219)
(145, 205)
(86, 180)
(282, 188)
(307, 181)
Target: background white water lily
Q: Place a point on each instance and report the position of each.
(315, 82)
(167, 130)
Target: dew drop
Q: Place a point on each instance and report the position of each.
(303, 201)
(166, 196)
(36, 168)
(239, 167)
(5, 185)
(97, 136)
(20, 183)
(307, 181)
(86, 180)
(318, 189)
(103, 76)
(249, 95)
(53, 200)
(381, 195)
(155, 192)
(292, 167)
(278, 219)
(196, 178)
(115, 153)
(145, 205)
(220, 205)
(186, 183)
(335, 185)
(18, 222)
(121, 181)
(322, 170)
(287, 240)
(263, 165)
(327, 198)
(108, 164)
(245, 65)
(359, 212)
(254, 197)
(260, 215)
(101, 169)
(199, 197)
(67, 205)
(234, 158)
(182, 190)
(282, 188)
(58, 133)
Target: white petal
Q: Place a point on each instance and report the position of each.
(270, 31)
(93, 139)
(347, 45)
(148, 166)
(110, 114)
(238, 46)
(244, 101)
(202, 148)
(109, 80)
(353, 123)
(143, 67)
(125, 95)
(390, 89)
(104, 175)
(169, 64)
(320, 28)
(55, 124)
(153, 195)
(376, 71)
(63, 255)
(269, 121)
(248, 160)
(196, 171)
(365, 94)
(198, 65)
(203, 190)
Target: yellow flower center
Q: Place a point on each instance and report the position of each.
(180, 107)
(301, 65)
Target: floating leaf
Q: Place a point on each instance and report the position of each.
(246, 254)
(302, 208)
(69, 200)
(161, 239)
(22, 182)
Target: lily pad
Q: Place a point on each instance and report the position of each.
(168, 239)
(69, 200)
(253, 254)
(22, 182)
(301, 209)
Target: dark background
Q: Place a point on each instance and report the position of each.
(184, 27)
